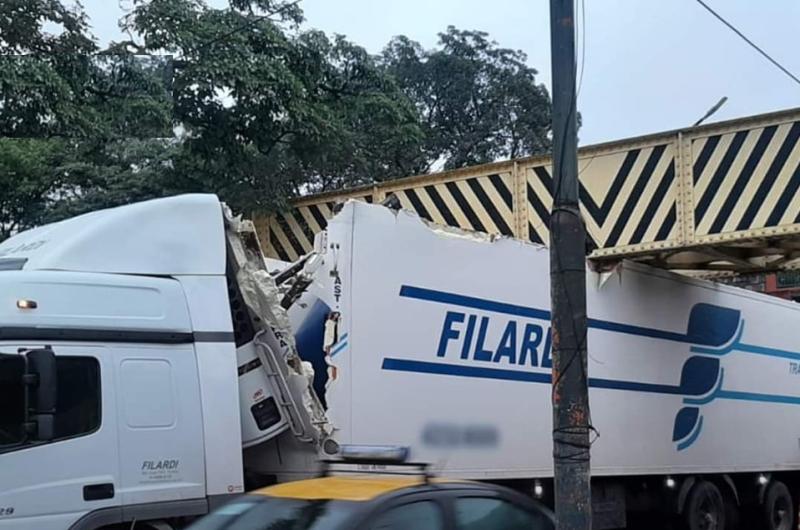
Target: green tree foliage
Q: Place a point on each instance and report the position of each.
(41, 73)
(243, 102)
(26, 178)
(269, 112)
(70, 117)
(477, 102)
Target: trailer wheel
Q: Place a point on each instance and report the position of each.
(705, 508)
(733, 514)
(778, 507)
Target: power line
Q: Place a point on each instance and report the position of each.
(748, 41)
(583, 47)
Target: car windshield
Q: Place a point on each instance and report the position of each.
(256, 512)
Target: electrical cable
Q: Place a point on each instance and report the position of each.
(748, 41)
(583, 48)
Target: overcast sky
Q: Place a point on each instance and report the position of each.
(651, 65)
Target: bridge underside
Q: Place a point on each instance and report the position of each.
(743, 256)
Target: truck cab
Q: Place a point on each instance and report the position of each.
(128, 392)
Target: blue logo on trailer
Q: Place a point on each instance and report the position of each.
(712, 332)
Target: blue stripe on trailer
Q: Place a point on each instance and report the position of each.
(761, 398)
(425, 367)
(771, 352)
(431, 295)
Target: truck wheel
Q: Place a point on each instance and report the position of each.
(733, 514)
(705, 508)
(778, 507)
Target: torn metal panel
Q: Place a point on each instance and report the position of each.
(298, 278)
(290, 378)
(456, 232)
(604, 276)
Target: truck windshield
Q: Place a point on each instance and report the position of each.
(256, 512)
(12, 398)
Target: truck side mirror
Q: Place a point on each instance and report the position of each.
(41, 385)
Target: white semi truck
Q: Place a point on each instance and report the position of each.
(152, 365)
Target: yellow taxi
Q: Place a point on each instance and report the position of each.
(380, 502)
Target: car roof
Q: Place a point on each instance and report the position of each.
(358, 487)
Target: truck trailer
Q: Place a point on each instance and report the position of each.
(153, 365)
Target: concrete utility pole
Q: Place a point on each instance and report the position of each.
(571, 423)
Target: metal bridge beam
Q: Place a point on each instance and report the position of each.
(709, 190)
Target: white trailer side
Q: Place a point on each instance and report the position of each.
(445, 347)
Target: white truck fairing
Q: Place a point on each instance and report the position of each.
(172, 236)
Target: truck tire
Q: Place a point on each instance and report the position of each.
(705, 508)
(778, 508)
(733, 516)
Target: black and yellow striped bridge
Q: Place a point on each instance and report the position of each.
(716, 197)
